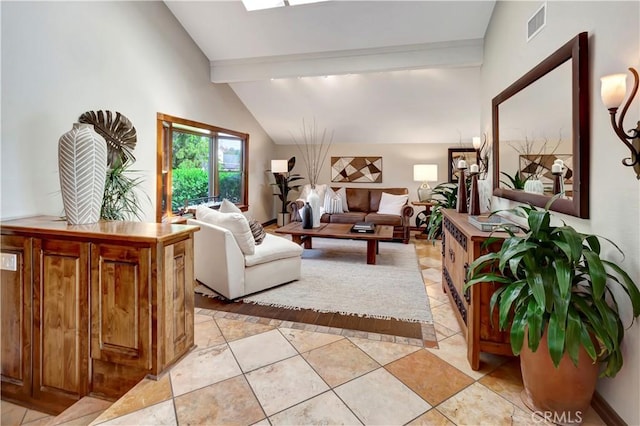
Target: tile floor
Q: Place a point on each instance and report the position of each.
(257, 371)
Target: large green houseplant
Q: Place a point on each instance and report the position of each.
(558, 294)
(286, 182)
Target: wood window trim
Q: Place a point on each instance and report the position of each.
(161, 157)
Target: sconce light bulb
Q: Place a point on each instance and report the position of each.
(476, 142)
(613, 89)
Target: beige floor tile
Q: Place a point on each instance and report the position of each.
(379, 398)
(591, 418)
(444, 314)
(286, 383)
(159, 414)
(433, 274)
(12, 414)
(454, 351)
(146, 393)
(201, 317)
(81, 421)
(430, 377)
(435, 293)
(263, 422)
(340, 362)
(431, 263)
(227, 402)
(207, 333)
(432, 417)
(203, 368)
(305, 341)
(85, 406)
(234, 329)
(506, 381)
(443, 332)
(479, 405)
(33, 415)
(261, 349)
(44, 421)
(383, 352)
(324, 409)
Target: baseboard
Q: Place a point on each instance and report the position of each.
(606, 413)
(270, 222)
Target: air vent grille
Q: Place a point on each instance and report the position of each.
(537, 22)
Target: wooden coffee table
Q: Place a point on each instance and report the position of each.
(338, 231)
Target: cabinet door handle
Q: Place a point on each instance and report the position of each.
(452, 255)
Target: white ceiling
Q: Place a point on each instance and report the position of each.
(398, 71)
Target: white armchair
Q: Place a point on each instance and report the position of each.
(220, 264)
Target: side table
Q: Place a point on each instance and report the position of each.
(422, 217)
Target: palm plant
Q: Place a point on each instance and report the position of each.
(121, 199)
(444, 196)
(284, 183)
(515, 181)
(554, 278)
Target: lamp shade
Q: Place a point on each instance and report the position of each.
(613, 89)
(425, 172)
(279, 166)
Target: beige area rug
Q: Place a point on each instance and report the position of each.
(336, 278)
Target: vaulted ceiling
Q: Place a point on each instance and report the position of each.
(370, 71)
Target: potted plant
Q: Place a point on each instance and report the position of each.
(443, 196)
(283, 181)
(558, 302)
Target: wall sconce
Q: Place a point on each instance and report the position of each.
(613, 89)
(425, 173)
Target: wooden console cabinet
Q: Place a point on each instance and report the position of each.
(91, 309)
(461, 245)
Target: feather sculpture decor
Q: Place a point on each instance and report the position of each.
(117, 130)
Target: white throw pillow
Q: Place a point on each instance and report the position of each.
(236, 223)
(342, 193)
(392, 204)
(228, 207)
(332, 202)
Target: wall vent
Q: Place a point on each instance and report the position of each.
(537, 22)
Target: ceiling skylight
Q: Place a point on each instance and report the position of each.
(251, 5)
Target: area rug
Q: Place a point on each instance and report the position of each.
(336, 278)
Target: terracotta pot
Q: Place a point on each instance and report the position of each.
(561, 395)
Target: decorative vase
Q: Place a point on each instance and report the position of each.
(307, 216)
(564, 392)
(314, 201)
(82, 163)
(484, 194)
(534, 185)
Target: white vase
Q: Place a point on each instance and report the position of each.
(534, 185)
(484, 194)
(314, 201)
(82, 163)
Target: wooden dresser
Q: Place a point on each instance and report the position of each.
(461, 245)
(91, 309)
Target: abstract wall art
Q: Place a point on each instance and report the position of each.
(356, 169)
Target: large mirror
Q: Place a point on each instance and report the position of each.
(543, 117)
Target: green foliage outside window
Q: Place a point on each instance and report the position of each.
(188, 184)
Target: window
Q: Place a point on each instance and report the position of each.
(199, 163)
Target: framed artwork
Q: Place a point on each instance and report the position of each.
(356, 169)
(540, 165)
(470, 155)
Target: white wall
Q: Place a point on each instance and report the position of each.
(60, 59)
(614, 45)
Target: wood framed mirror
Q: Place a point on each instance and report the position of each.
(543, 116)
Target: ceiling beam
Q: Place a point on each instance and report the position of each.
(460, 53)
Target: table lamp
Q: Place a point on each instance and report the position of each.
(425, 173)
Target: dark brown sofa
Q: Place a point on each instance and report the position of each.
(363, 204)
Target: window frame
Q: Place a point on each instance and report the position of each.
(164, 158)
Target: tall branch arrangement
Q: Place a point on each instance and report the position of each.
(314, 148)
